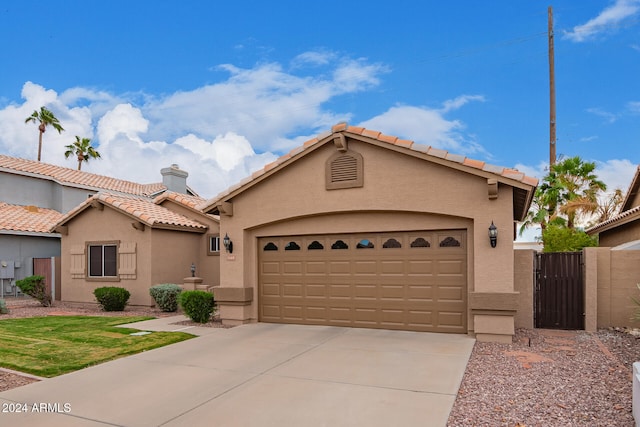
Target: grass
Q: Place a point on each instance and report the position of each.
(55, 345)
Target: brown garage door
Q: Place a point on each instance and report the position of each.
(408, 280)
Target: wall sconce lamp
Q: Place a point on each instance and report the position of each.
(193, 270)
(228, 244)
(493, 234)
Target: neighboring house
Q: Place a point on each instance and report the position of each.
(135, 243)
(623, 230)
(357, 228)
(25, 235)
(29, 189)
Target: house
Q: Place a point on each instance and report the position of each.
(35, 195)
(623, 230)
(361, 229)
(26, 244)
(135, 243)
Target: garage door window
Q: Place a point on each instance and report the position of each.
(270, 247)
(292, 246)
(339, 244)
(315, 245)
(449, 242)
(391, 244)
(420, 243)
(364, 244)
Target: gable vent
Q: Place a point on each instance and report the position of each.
(344, 170)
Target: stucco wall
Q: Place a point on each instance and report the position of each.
(523, 261)
(400, 192)
(95, 225)
(25, 190)
(22, 249)
(619, 235)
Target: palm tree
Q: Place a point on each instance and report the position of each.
(83, 149)
(45, 118)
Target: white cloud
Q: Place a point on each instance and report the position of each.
(607, 116)
(605, 21)
(634, 107)
(616, 173)
(219, 133)
(429, 126)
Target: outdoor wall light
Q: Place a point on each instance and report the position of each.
(193, 270)
(493, 234)
(228, 244)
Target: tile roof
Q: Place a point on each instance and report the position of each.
(503, 173)
(27, 218)
(76, 178)
(183, 199)
(621, 218)
(142, 209)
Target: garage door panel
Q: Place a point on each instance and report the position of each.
(420, 267)
(400, 286)
(293, 289)
(340, 268)
(450, 293)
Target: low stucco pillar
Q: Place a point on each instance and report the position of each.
(494, 315)
(234, 305)
(193, 283)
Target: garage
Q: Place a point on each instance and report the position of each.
(410, 280)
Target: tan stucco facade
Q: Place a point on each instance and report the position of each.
(401, 191)
(147, 256)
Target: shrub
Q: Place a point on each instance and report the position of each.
(34, 286)
(198, 305)
(112, 298)
(3, 307)
(166, 296)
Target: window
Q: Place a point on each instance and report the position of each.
(315, 245)
(391, 243)
(339, 244)
(270, 247)
(103, 260)
(292, 246)
(214, 244)
(364, 244)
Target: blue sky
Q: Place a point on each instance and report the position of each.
(221, 88)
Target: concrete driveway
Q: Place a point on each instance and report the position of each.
(259, 375)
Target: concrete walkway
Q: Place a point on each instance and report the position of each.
(258, 375)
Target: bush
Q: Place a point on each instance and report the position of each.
(34, 286)
(112, 298)
(166, 296)
(198, 305)
(3, 307)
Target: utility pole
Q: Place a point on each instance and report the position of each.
(552, 94)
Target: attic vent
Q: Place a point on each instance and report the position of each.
(344, 170)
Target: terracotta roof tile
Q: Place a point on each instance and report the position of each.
(183, 199)
(423, 148)
(141, 208)
(404, 142)
(27, 218)
(371, 133)
(356, 129)
(478, 164)
(310, 142)
(612, 221)
(73, 177)
(454, 157)
(339, 127)
(437, 152)
(388, 138)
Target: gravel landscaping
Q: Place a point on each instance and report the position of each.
(545, 378)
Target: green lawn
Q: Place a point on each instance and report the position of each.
(55, 345)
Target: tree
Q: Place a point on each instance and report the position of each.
(45, 118)
(559, 238)
(83, 149)
(577, 189)
(609, 207)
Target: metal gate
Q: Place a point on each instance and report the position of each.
(559, 290)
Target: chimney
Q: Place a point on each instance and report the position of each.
(175, 179)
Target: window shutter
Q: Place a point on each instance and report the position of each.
(127, 260)
(77, 261)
